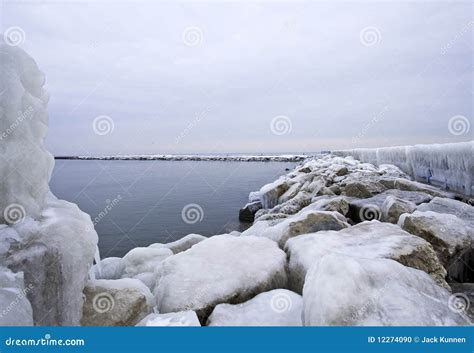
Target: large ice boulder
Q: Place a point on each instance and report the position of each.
(353, 291)
(306, 221)
(140, 260)
(368, 239)
(15, 308)
(50, 241)
(122, 302)
(221, 269)
(279, 307)
(109, 268)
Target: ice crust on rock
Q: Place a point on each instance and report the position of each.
(279, 307)
(220, 269)
(345, 290)
(369, 240)
(182, 244)
(456, 208)
(15, 308)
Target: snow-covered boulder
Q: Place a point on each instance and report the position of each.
(410, 185)
(447, 233)
(351, 291)
(327, 203)
(247, 213)
(306, 221)
(182, 318)
(140, 260)
(459, 209)
(362, 189)
(51, 241)
(270, 193)
(121, 302)
(109, 268)
(368, 239)
(279, 307)
(182, 244)
(221, 269)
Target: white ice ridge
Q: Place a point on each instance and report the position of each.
(192, 157)
(449, 166)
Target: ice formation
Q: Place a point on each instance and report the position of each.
(49, 244)
(450, 166)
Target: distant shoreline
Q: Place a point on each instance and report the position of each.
(227, 158)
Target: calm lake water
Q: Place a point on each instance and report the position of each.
(137, 203)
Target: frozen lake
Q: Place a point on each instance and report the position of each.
(137, 203)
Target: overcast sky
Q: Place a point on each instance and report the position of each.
(167, 77)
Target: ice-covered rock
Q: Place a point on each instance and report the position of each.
(109, 268)
(220, 269)
(362, 189)
(447, 233)
(182, 318)
(121, 302)
(327, 203)
(279, 307)
(306, 221)
(352, 291)
(270, 193)
(409, 185)
(369, 240)
(393, 207)
(140, 260)
(182, 244)
(459, 209)
(247, 213)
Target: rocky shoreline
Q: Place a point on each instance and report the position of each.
(177, 157)
(334, 242)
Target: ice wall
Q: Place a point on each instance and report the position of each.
(449, 166)
(25, 165)
(46, 244)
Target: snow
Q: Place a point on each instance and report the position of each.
(220, 269)
(279, 307)
(182, 318)
(109, 268)
(459, 209)
(140, 260)
(444, 165)
(368, 240)
(182, 244)
(345, 290)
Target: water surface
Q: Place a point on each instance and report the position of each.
(137, 203)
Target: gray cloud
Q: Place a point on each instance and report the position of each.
(254, 61)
